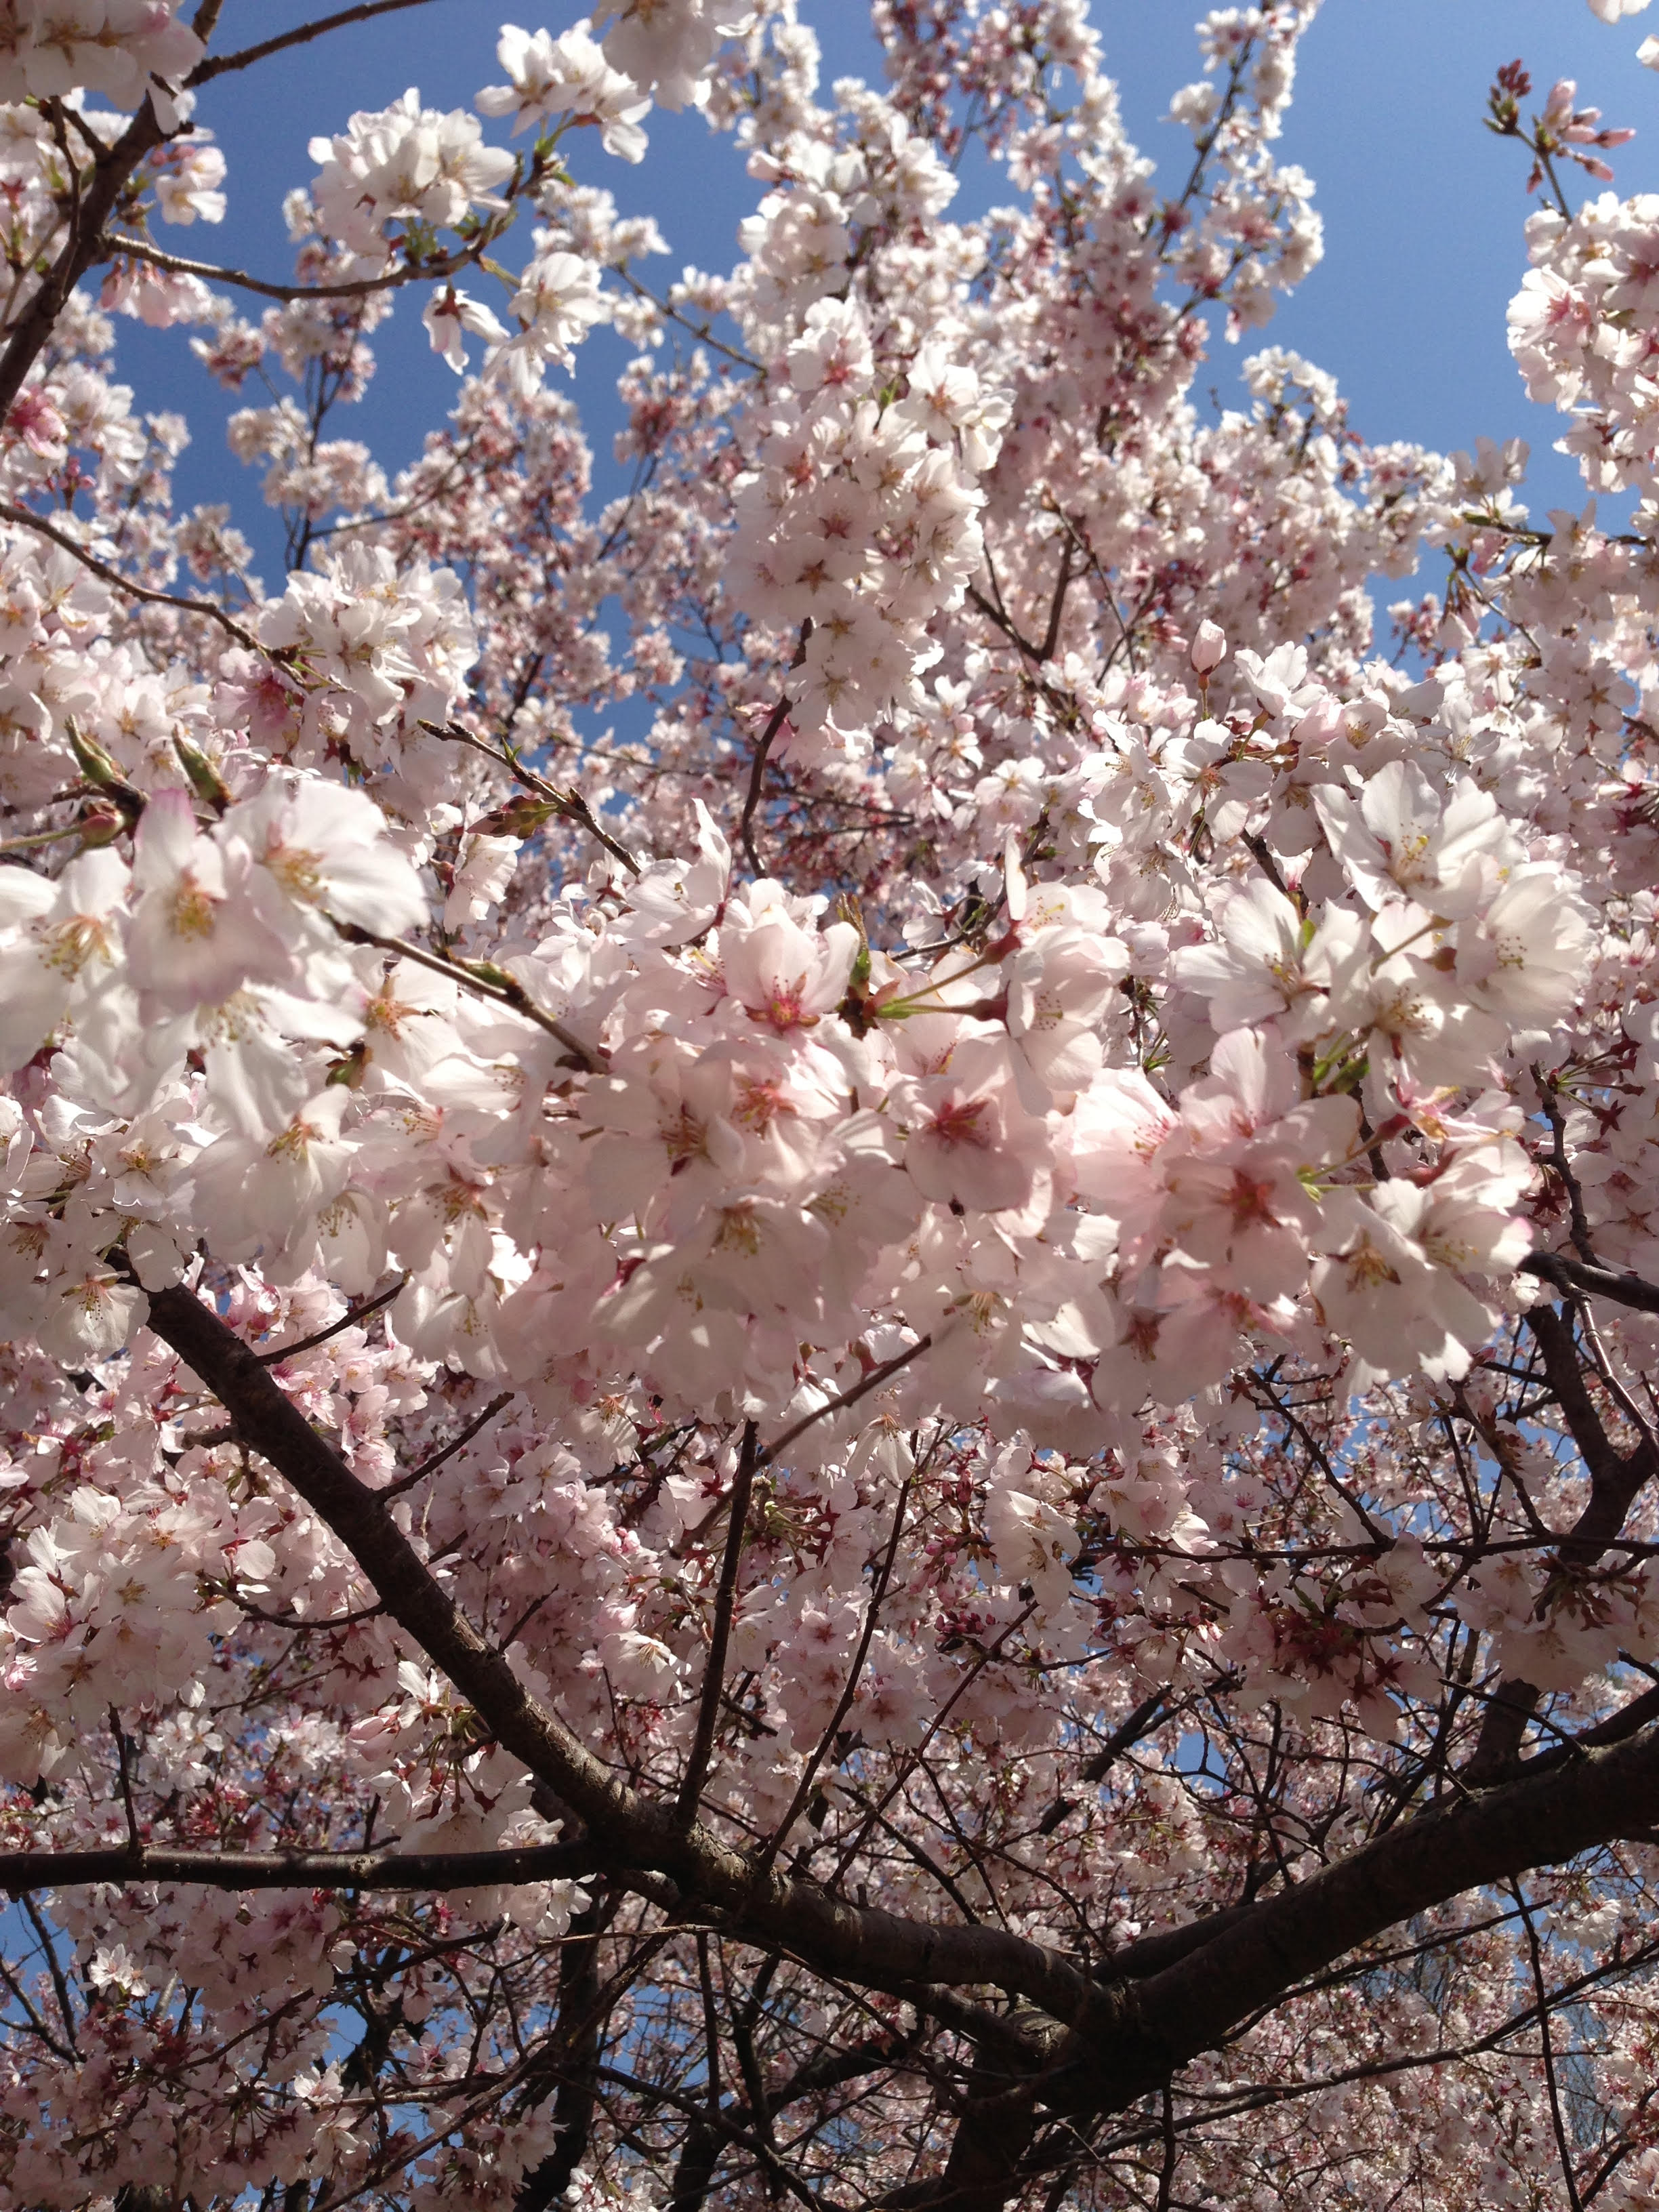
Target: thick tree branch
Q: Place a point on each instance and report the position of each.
(577, 2040)
(860, 1944)
(24, 1871)
(1126, 2034)
(111, 173)
(1580, 1278)
(1143, 2031)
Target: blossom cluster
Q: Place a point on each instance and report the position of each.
(923, 1130)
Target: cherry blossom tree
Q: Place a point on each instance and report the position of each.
(891, 1442)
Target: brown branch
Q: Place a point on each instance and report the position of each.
(756, 778)
(21, 1872)
(872, 1381)
(1146, 1716)
(757, 773)
(448, 1451)
(854, 1943)
(112, 172)
(1580, 1278)
(22, 516)
(1142, 2031)
(1616, 1479)
(568, 805)
(1630, 1720)
(1057, 608)
(720, 1631)
(871, 1612)
(322, 1335)
(221, 64)
(1558, 1160)
(995, 615)
(1563, 2149)
(498, 985)
(354, 287)
(577, 2039)
(702, 330)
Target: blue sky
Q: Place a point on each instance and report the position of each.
(1422, 208)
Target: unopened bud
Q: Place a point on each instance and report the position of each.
(205, 780)
(518, 817)
(1209, 648)
(93, 762)
(99, 823)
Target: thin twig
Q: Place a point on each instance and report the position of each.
(757, 774)
(698, 330)
(430, 1466)
(719, 1632)
(227, 622)
(1057, 608)
(756, 778)
(1547, 2042)
(509, 992)
(1615, 1390)
(135, 1841)
(569, 805)
(1579, 1219)
(779, 1835)
(221, 64)
(970, 1676)
(872, 1381)
(322, 1335)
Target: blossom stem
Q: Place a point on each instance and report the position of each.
(569, 805)
(510, 994)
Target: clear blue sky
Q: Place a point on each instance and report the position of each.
(1422, 208)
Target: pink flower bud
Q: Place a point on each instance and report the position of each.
(1209, 648)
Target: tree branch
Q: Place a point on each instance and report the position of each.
(1144, 2030)
(858, 1943)
(756, 778)
(862, 1388)
(221, 64)
(1580, 1278)
(352, 288)
(506, 990)
(1616, 1479)
(430, 1465)
(720, 1631)
(577, 2037)
(333, 1328)
(21, 1872)
(22, 516)
(111, 174)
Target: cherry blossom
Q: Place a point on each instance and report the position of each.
(828, 1272)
